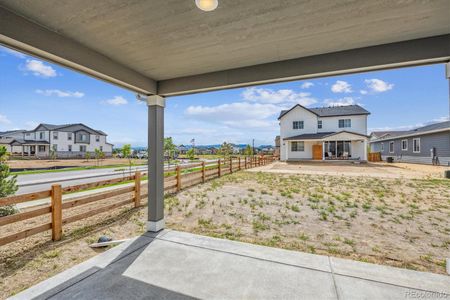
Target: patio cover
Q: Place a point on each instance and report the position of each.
(166, 48)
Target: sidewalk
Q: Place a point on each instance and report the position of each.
(178, 265)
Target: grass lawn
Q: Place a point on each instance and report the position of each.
(398, 222)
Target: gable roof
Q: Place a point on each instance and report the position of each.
(332, 111)
(436, 127)
(70, 128)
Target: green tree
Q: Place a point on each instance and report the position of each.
(248, 150)
(52, 154)
(126, 153)
(8, 184)
(190, 154)
(226, 149)
(169, 147)
(99, 155)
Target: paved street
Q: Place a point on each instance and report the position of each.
(43, 181)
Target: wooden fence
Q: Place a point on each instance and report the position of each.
(374, 156)
(176, 178)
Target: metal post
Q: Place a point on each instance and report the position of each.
(155, 105)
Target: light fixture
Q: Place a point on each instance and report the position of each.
(207, 5)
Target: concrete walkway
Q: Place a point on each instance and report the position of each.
(177, 265)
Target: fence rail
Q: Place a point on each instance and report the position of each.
(184, 176)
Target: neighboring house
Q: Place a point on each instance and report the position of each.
(419, 145)
(67, 141)
(324, 133)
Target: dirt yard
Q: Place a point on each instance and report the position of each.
(43, 163)
(340, 168)
(400, 222)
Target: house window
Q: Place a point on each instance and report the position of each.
(97, 138)
(297, 146)
(41, 148)
(55, 135)
(83, 137)
(382, 147)
(345, 123)
(69, 136)
(391, 147)
(41, 135)
(416, 145)
(319, 124)
(82, 148)
(55, 147)
(70, 148)
(404, 145)
(101, 148)
(297, 125)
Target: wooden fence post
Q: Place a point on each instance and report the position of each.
(56, 212)
(218, 167)
(239, 161)
(203, 171)
(137, 189)
(231, 165)
(178, 178)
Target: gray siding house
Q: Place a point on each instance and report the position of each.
(66, 141)
(419, 145)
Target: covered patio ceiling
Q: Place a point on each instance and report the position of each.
(172, 48)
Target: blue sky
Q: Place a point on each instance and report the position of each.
(35, 91)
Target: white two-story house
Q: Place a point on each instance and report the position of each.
(65, 141)
(324, 133)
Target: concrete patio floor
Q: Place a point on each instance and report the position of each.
(178, 265)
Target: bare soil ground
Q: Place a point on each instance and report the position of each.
(340, 168)
(403, 222)
(41, 163)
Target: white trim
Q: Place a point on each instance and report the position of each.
(414, 148)
(393, 147)
(156, 100)
(153, 226)
(405, 149)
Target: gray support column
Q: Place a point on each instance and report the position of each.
(155, 163)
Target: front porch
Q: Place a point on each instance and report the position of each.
(178, 265)
(326, 146)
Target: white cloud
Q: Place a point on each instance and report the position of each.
(410, 126)
(117, 100)
(341, 87)
(237, 115)
(363, 92)
(4, 120)
(59, 93)
(340, 102)
(262, 95)
(378, 85)
(38, 68)
(306, 85)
